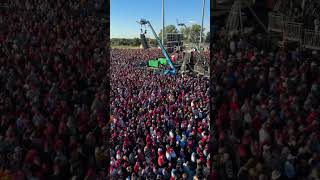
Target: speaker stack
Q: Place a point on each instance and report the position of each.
(144, 41)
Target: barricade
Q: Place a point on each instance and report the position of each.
(275, 22)
(292, 31)
(311, 39)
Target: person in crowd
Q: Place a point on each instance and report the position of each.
(52, 102)
(268, 114)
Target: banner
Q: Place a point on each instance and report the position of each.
(153, 63)
(163, 61)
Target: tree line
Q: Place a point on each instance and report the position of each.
(131, 42)
(191, 34)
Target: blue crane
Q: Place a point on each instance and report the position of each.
(172, 70)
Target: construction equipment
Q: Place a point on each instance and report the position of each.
(172, 69)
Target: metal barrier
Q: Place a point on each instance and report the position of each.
(292, 31)
(287, 18)
(275, 22)
(198, 69)
(311, 39)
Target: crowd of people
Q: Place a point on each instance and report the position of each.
(160, 123)
(53, 106)
(267, 112)
(52, 99)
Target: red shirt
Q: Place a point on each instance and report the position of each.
(242, 151)
(256, 123)
(312, 116)
(213, 175)
(160, 160)
(234, 106)
(136, 168)
(148, 138)
(250, 54)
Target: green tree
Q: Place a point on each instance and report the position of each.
(136, 42)
(192, 33)
(152, 42)
(195, 33)
(186, 32)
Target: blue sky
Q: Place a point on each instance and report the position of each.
(125, 13)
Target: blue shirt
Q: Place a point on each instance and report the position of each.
(289, 170)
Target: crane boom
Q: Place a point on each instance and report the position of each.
(173, 70)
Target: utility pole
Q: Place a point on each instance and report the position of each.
(163, 22)
(203, 4)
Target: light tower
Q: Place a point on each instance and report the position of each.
(163, 29)
(203, 4)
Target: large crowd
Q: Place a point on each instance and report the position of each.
(267, 112)
(53, 105)
(160, 123)
(52, 99)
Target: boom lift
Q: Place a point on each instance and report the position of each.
(172, 70)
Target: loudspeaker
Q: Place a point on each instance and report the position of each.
(144, 41)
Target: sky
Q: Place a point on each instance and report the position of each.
(124, 15)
